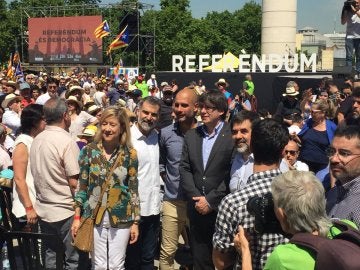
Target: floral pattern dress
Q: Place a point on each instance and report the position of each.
(121, 198)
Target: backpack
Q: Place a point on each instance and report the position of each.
(340, 253)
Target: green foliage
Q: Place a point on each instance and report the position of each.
(175, 29)
(177, 32)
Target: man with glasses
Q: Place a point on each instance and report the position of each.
(290, 158)
(205, 173)
(52, 87)
(343, 201)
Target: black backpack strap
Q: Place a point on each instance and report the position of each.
(308, 240)
(351, 235)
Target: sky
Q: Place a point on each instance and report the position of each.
(323, 15)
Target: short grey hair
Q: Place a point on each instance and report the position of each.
(54, 110)
(302, 197)
(291, 84)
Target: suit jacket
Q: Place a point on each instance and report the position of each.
(212, 181)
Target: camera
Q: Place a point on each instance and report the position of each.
(262, 207)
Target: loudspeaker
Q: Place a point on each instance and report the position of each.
(343, 72)
(131, 20)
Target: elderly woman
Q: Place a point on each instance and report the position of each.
(118, 215)
(316, 135)
(11, 116)
(79, 119)
(299, 205)
(32, 123)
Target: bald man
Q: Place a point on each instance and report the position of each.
(174, 205)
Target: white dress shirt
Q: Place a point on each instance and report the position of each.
(240, 171)
(148, 170)
(43, 98)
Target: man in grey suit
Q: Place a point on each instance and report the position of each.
(205, 173)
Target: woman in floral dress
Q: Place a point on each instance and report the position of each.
(117, 220)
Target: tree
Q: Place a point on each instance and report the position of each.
(181, 5)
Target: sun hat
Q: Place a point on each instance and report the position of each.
(221, 81)
(290, 91)
(8, 99)
(74, 99)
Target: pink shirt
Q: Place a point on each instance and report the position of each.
(54, 158)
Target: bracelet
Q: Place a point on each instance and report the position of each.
(76, 217)
(29, 208)
(136, 222)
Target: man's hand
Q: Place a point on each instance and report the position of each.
(134, 233)
(202, 205)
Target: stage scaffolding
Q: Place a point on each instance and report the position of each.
(145, 42)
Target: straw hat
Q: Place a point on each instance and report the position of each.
(74, 99)
(290, 91)
(12, 83)
(72, 89)
(221, 81)
(93, 108)
(89, 131)
(8, 99)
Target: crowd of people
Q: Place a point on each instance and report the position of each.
(151, 162)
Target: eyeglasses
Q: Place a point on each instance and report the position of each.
(52, 86)
(341, 153)
(207, 108)
(291, 152)
(315, 111)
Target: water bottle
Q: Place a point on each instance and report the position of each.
(5, 258)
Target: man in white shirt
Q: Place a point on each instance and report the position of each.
(145, 140)
(242, 166)
(52, 88)
(290, 156)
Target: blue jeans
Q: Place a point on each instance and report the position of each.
(141, 255)
(350, 45)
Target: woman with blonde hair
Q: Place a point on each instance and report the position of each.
(116, 221)
(316, 136)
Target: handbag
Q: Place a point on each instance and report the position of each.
(84, 240)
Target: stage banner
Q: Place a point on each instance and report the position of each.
(64, 40)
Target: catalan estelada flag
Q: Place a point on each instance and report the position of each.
(122, 40)
(10, 71)
(102, 30)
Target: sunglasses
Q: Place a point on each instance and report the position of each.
(291, 152)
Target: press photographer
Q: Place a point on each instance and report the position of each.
(350, 16)
(299, 200)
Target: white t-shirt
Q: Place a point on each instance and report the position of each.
(98, 98)
(18, 208)
(79, 123)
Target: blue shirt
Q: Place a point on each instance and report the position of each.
(171, 142)
(209, 140)
(114, 95)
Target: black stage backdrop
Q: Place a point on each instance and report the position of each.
(268, 86)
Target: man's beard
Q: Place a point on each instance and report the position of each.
(146, 126)
(355, 115)
(243, 147)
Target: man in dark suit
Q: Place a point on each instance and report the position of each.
(205, 173)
